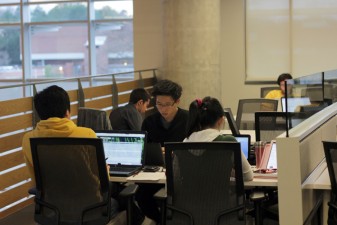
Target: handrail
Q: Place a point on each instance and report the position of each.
(76, 78)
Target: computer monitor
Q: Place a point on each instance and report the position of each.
(294, 103)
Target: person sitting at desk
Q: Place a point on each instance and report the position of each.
(166, 125)
(206, 118)
(129, 117)
(277, 94)
(53, 107)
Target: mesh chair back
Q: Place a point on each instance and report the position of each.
(248, 107)
(330, 150)
(71, 181)
(265, 90)
(93, 118)
(269, 125)
(199, 183)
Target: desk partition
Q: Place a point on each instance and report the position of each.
(298, 156)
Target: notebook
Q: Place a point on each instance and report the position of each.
(294, 103)
(244, 140)
(123, 150)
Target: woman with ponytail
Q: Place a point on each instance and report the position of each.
(206, 118)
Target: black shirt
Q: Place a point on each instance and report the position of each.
(158, 133)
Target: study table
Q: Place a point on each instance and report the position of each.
(160, 178)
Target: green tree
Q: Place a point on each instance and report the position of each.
(68, 11)
(38, 14)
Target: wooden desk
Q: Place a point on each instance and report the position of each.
(319, 180)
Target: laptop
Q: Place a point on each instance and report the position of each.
(123, 150)
(269, 158)
(153, 155)
(244, 140)
(294, 103)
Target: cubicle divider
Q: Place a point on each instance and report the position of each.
(298, 156)
(18, 116)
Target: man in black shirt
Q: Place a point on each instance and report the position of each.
(168, 124)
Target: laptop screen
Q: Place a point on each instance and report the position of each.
(123, 147)
(244, 143)
(272, 162)
(294, 103)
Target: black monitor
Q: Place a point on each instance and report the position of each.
(231, 122)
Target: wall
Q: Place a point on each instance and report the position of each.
(149, 46)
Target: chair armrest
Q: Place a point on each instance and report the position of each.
(32, 191)
(129, 190)
(161, 194)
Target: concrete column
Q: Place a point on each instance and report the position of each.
(191, 46)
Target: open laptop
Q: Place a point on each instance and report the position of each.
(123, 150)
(294, 103)
(244, 140)
(153, 155)
(269, 158)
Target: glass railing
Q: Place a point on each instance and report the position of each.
(307, 95)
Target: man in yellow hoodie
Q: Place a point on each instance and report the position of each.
(53, 107)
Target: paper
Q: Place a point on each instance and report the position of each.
(143, 176)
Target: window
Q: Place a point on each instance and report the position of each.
(65, 38)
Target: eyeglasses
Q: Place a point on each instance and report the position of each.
(166, 105)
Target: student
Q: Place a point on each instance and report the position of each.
(53, 107)
(277, 94)
(166, 125)
(129, 117)
(206, 118)
(169, 122)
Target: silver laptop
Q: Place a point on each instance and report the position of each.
(123, 150)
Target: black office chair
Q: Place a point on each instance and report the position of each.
(265, 90)
(330, 150)
(231, 121)
(248, 107)
(269, 125)
(72, 184)
(95, 119)
(200, 189)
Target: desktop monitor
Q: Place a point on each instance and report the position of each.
(294, 103)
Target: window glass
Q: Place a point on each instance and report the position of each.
(10, 58)
(9, 14)
(59, 51)
(58, 12)
(113, 9)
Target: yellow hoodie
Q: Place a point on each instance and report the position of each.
(52, 127)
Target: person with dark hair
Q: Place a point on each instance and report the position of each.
(129, 117)
(277, 94)
(169, 122)
(206, 118)
(53, 107)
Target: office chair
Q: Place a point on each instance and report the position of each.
(72, 184)
(265, 90)
(200, 189)
(95, 119)
(330, 150)
(269, 125)
(248, 107)
(313, 108)
(231, 121)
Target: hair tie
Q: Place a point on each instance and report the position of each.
(199, 102)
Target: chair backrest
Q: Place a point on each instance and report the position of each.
(95, 119)
(231, 121)
(269, 125)
(247, 109)
(313, 108)
(71, 181)
(265, 90)
(199, 183)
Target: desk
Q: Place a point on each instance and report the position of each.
(319, 180)
(160, 178)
